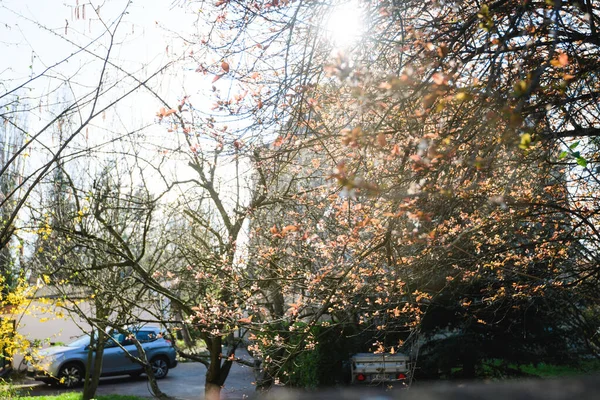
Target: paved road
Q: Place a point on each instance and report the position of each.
(186, 382)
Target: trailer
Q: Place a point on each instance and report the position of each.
(381, 368)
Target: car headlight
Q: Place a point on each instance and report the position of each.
(54, 357)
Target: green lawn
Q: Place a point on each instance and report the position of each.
(549, 370)
(491, 369)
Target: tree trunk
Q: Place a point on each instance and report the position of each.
(212, 391)
(265, 374)
(187, 338)
(212, 387)
(218, 370)
(94, 363)
(185, 333)
(150, 373)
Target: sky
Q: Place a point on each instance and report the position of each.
(56, 50)
(39, 34)
(42, 43)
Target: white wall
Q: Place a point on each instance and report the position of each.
(41, 322)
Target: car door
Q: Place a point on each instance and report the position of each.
(144, 337)
(130, 365)
(113, 360)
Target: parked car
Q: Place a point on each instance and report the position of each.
(65, 365)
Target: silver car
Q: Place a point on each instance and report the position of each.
(65, 365)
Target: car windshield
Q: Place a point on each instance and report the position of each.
(142, 336)
(84, 340)
(80, 341)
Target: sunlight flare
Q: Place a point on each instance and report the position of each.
(344, 24)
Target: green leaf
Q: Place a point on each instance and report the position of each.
(574, 145)
(484, 11)
(582, 162)
(525, 141)
(563, 155)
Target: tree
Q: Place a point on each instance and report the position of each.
(84, 108)
(90, 249)
(15, 301)
(11, 140)
(454, 127)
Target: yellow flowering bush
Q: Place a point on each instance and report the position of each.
(14, 303)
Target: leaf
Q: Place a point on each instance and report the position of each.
(574, 145)
(438, 78)
(381, 141)
(582, 162)
(520, 87)
(463, 96)
(563, 155)
(525, 141)
(165, 113)
(225, 66)
(289, 228)
(442, 50)
(563, 59)
(484, 11)
(429, 100)
(217, 77)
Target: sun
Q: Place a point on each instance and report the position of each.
(344, 25)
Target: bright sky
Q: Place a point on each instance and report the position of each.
(38, 34)
(42, 29)
(344, 25)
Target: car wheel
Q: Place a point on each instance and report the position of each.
(70, 375)
(160, 367)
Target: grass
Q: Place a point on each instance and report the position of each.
(199, 348)
(77, 396)
(548, 370)
(542, 370)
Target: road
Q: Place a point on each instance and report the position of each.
(186, 382)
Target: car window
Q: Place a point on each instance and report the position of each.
(146, 336)
(114, 339)
(80, 341)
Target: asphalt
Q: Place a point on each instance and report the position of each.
(185, 382)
